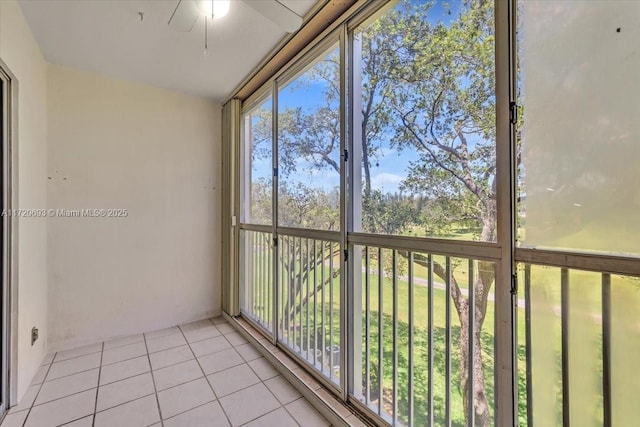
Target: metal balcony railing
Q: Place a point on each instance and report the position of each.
(582, 338)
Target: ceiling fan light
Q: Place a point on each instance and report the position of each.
(220, 8)
(206, 7)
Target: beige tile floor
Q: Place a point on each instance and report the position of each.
(200, 374)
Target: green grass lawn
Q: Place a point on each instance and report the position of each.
(585, 340)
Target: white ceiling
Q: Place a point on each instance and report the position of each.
(108, 37)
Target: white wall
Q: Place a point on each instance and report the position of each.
(156, 153)
(20, 53)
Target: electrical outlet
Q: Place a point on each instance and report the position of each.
(34, 335)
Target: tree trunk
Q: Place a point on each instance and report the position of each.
(481, 287)
(482, 415)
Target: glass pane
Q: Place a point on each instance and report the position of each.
(585, 348)
(625, 348)
(256, 165)
(579, 62)
(546, 345)
(587, 311)
(309, 147)
(424, 121)
(256, 277)
(419, 282)
(309, 292)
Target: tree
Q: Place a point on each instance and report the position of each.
(387, 213)
(427, 87)
(443, 107)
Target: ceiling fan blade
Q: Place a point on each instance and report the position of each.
(184, 16)
(277, 13)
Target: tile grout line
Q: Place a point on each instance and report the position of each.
(121, 345)
(39, 389)
(68, 375)
(263, 415)
(272, 411)
(186, 382)
(53, 361)
(214, 352)
(282, 405)
(189, 410)
(127, 377)
(75, 357)
(144, 339)
(248, 330)
(205, 375)
(74, 420)
(68, 395)
(153, 380)
(294, 418)
(124, 403)
(95, 406)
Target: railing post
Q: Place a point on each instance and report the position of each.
(564, 302)
(606, 348)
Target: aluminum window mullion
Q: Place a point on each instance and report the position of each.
(506, 298)
(346, 294)
(276, 245)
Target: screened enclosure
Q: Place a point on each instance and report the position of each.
(437, 206)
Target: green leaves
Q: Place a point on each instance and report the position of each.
(438, 85)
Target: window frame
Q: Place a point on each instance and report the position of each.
(504, 251)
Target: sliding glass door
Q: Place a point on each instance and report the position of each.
(439, 212)
(579, 218)
(376, 238)
(423, 200)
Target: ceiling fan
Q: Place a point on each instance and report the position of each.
(187, 13)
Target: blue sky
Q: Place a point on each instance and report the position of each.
(387, 170)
